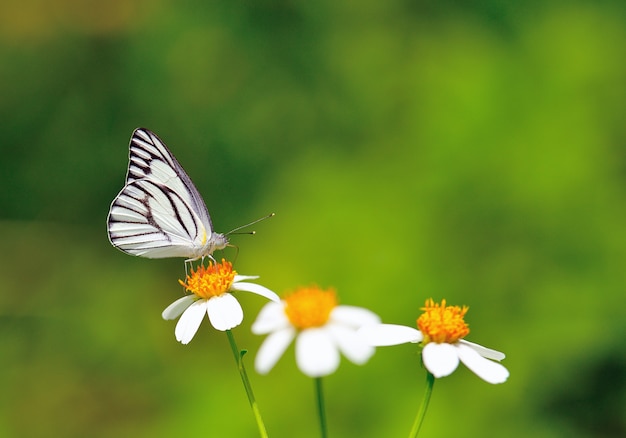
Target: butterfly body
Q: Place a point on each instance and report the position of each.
(159, 213)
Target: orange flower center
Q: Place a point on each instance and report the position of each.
(442, 324)
(212, 281)
(310, 307)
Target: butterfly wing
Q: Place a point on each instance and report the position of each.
(159, 212)
(151, 159)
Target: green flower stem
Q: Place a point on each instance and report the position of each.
(321, 410)
(246, 383)
(430, 381)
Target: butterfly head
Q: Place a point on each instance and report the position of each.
(217, 241)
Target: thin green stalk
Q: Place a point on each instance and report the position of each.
(246, 383)
(321, 410)
(430, 381)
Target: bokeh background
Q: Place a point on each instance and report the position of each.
(473, 151)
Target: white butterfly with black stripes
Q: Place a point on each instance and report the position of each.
(159, 212)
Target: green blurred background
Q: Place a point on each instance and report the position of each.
(472, 151)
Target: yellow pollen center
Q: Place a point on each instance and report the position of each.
(212, 281)
(442, 324)
(309, 307)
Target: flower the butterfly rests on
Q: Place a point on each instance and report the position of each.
(212, 291)
(159, 213)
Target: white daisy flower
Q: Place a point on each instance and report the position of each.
(441, 330)
(322, 330)
(211, 287)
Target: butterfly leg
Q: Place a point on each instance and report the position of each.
(210, 257)
(190, 262)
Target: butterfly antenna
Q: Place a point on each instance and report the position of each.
(251, 223)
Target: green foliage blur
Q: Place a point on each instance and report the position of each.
(473, 151)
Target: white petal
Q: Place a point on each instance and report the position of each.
(175, 309)
(351, 345)
(271, 318)
(316, 354)
(491, 372)
(380, 335)
(354, 316)
(484, 351)
(239, 278)
(224, 312)
(256, 289)
(440, 359)
(272, 349)
(190, 321)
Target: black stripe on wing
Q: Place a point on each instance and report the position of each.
(146, 216)
(145, 147)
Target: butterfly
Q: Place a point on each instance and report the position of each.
(159, 213)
